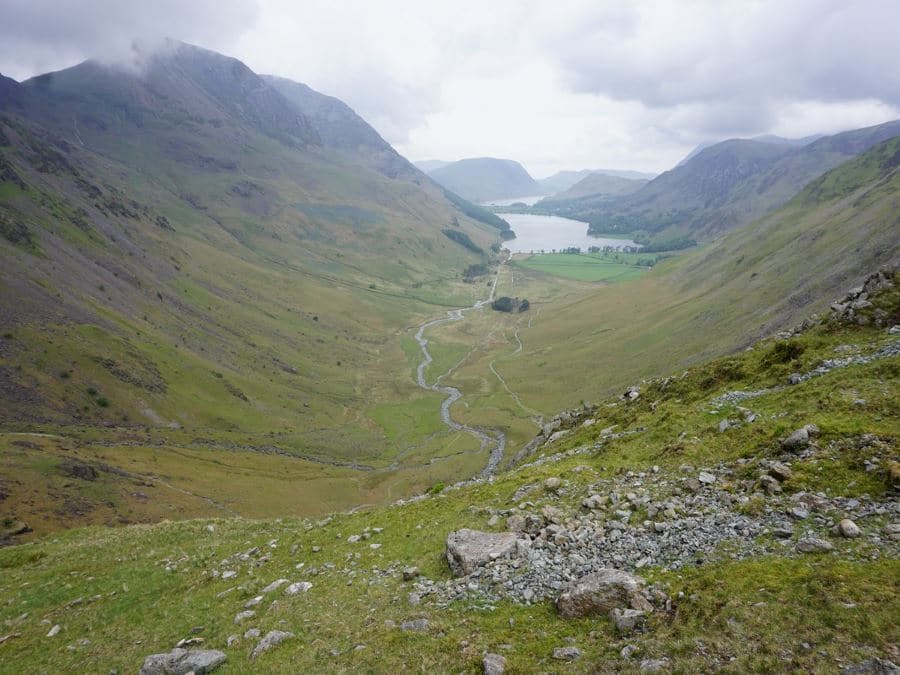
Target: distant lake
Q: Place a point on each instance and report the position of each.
(536, 233)
(528, 201)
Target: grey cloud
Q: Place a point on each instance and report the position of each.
(42, 35)
(750, 54)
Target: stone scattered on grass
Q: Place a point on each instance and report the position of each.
(240, 617)
(814, 545)
(298, 587)
(415, 626)
(274, 586)
(183, 661)
(493, 664)
(566, 653)
(848, 529)
(272, 639)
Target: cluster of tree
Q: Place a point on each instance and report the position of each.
(476, 270)
(462, 239)
(507, 304)
(673, 244)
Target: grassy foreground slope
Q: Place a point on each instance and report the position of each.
(762, 278)
(751, 603)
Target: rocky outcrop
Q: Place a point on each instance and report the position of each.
(469, 549)
(183, 661)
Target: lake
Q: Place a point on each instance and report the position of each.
(535, 233)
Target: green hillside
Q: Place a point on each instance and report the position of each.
(187, 260)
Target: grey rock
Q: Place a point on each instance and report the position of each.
(415, 626)
(566, 653)
(493, 664)
(800, 512)
(780, 472)
(297, 587)
(873, 666)
(410, 573)
(795, 378)
(253, 602)
(243, 616)
(628, 651)
(183, 661)
(470, 549)
(848, 529)
(515, 523)
(626, 620)
(600, 592)
(798, 439)
(54, 631)
(706, 478)
(813, 545)
(252, 633)
(552, 484)
(274, 586)
(272, 639)
(653, 665)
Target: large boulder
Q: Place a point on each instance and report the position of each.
(182, 661)
(597, 594)
(469, 549)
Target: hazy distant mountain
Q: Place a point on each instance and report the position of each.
(485, 178)
(429, 165)
(729, 184)
(563, 180)
(597, 184)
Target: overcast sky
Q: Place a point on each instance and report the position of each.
(555, 84)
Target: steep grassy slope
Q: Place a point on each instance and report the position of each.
(757, 280)
(750, 603)
(184, 253)
(483, 178)
(728, 184)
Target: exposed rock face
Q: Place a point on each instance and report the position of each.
(468, 549)
(182, 661)
(272, 639)
(599, 593)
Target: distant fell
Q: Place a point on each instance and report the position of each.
(485, 178)
(598, 184)
(728, 185)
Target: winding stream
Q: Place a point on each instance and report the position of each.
(489, 438)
